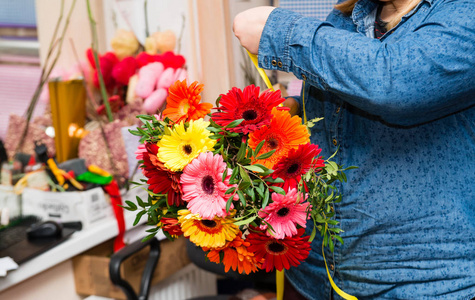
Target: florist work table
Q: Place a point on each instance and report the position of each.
(79, 242)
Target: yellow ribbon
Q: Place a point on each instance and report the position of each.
(279, 278)
(261, 72)
(280, 274)
(334, 286)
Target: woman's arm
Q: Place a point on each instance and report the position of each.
(426, 74)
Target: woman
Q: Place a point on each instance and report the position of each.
(395, 83)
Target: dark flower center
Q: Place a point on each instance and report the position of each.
(283, 211)
(187, 148)
(209, 223)
(249, 115)
(293, 169)
(276, 247)
(272, 143)
(207, 184)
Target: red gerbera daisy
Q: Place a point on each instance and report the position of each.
(171, 226)
(160, 179)
(297, 163)
(255, 109)
(279, 253)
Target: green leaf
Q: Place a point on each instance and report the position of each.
(330, 243)
(217, 100)
(312, 235)
(274, 180)
(140, 202)
(251, 193)
(233, 174)
(266, 198)
(339, 238)
(254, 168)
(234, 123)
(228, 203)
(145, 117)
(135, 132)
(244, 222)
(259, 147)
(260, 189)
(277, 189)
(153, 229)
(214, 129)
(266, 155)
(242, 152)
(244, 185)
(241, 197)
(148, 237)
(261, 166)
(131, 204)
(215, 136)
(225, 174)
(139, 216)
(250, 153)
(230, 190)
(244, 175)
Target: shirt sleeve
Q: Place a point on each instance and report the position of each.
(425, 74)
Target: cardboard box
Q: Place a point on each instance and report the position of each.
(91, 269)
(86, 206)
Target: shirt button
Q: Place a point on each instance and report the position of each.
(304, 77)
(274, 62)
(332, 267)
(279, 64)
(338, 109)
(335, 142)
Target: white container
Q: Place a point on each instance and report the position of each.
(87, 206)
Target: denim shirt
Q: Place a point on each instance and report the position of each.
(401, 109)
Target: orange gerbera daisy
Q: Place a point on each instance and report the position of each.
(235, 256)
(283, 134)
(183, 102)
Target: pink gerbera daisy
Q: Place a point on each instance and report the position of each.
(203, 187)
(297, 163)
(285, 213)
(255, 109)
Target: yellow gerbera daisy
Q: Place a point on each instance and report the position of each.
(207, 233)
(183, 145)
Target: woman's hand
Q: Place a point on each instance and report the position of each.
(248, 26)
(293, 105)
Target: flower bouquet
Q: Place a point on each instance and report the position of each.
(240, 182)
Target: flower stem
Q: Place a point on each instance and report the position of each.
(94, 45)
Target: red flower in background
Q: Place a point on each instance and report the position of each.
(160, 179)
(168, 59)
(107, 63)
(279, 253)
(115, 104)
(124, 69)
(171, 60)
(143, 59)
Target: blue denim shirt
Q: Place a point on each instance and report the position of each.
(401, 109)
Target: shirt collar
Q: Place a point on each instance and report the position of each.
(364, 7)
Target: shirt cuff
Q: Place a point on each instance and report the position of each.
(274, 44)
(287, 43)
